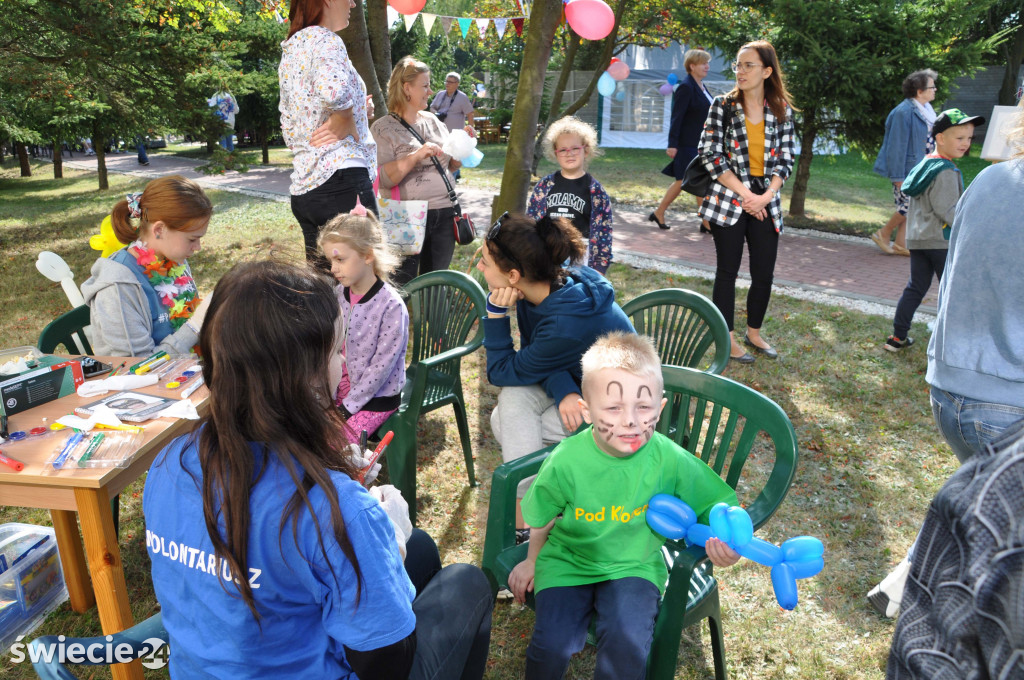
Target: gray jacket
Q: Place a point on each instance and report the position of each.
(122, 324)
(933, 210)
(976, 349)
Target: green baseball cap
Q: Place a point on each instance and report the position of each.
(952, 117)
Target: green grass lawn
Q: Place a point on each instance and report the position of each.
(871, 457)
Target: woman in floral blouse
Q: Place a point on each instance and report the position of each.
(332, 164)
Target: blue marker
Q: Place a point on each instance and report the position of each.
(69, 446)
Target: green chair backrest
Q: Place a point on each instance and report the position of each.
(443, 306)
(721, 421)
(67, 330)
(687, 328)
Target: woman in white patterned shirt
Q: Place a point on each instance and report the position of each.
(318, 82)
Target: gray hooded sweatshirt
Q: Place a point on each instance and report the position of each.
(122, 323)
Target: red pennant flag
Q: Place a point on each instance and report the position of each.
(518, 23)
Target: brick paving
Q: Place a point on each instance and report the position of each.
(848, 268)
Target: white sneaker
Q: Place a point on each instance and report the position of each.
(504, 595)
(887, 595)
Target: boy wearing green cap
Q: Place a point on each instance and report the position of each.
(934, 186)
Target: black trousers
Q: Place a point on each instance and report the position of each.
(315, 208)
(923, 263)
(438, 247)
(762, 247)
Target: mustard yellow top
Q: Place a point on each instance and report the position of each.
(755, 147)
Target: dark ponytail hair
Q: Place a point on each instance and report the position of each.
(268, 381)
(537, 248)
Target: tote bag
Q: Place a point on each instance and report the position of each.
(404, 222)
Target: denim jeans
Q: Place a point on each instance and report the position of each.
(453, 614)
(968, 424)
(140, 147)
(228, 141)
(625, 608)
(923, 264)
(315, 208)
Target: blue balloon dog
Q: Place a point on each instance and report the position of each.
(799, 557)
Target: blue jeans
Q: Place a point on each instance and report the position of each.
(140, 146)
(625, 608)
(968, 424)
(228, 141)
(453, 614)
(923, 264)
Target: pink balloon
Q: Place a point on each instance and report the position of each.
(591, 19)
(407, 6)
(618, 70)
(665, 89)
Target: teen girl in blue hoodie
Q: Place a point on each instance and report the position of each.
(560, 311)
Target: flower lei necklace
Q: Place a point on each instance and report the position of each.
(171, 281)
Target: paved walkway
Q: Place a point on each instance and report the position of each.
(851, 268)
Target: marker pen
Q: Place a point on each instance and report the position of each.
(15, 465)
(93, 445)
(146, 368)
(69, 446)
(377, 453)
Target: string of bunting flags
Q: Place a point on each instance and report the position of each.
(464, 24)
(591, 19)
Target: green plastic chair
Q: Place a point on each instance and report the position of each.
(141, 638)
(443, 308)
(722, 419)
(687, 328)
(67, 330)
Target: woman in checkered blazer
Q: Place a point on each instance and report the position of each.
(747, 146)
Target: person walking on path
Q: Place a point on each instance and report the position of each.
(747, 147)
(907, 139)
(690, 105)
(934, 186)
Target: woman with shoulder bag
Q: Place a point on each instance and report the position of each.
(747, 147)
(407, 141)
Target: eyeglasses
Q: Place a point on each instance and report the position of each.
(451, 82)
(737, 67)
(492, 235)
(931, 87)
(569, 151)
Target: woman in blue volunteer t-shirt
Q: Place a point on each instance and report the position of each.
(269, 559)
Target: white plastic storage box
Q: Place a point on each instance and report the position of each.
(31, 581)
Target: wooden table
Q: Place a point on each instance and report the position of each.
(87, 492)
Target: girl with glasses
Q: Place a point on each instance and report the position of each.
(747, 146)
(572, 192)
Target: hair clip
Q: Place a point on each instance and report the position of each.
(134, 207)
(359, 210)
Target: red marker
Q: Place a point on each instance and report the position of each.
(377, 453)
(15, 465)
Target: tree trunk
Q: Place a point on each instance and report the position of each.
(607, 49)
(380, 51)
(99, 145)
(26, 167)
(803, 167)
(1013, 50)
(357, 42)
(58, 160)
(515, 182)
(556, 96)
(265, 146)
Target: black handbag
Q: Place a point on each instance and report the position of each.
(465, 231)
(696, 178)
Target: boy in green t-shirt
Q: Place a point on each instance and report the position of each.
(591, 551)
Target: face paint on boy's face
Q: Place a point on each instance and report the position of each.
(623, 409)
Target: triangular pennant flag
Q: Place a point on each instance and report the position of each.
(428, 21)
(392, 15)
(482, 25)
(446, 25)
(410, 19)
(464, 25)
(527, 5)
(518, 23)
(499, 26)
